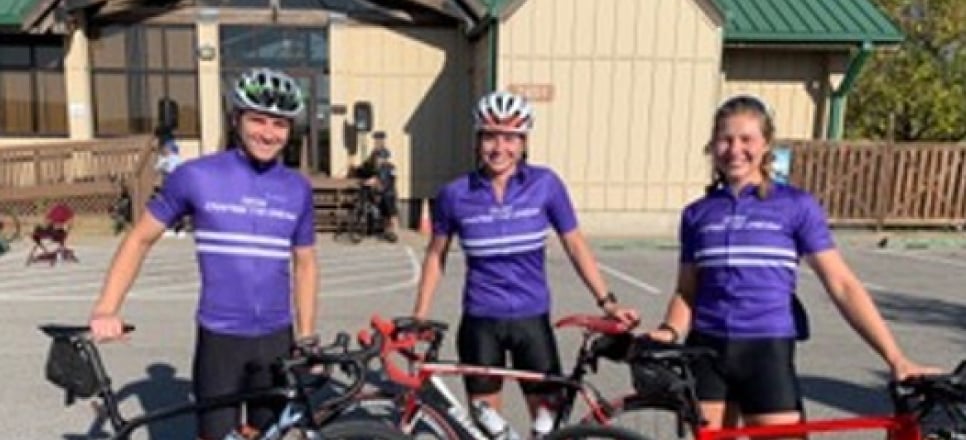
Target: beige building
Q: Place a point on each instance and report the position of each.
(623, 89)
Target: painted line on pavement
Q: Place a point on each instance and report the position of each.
(629, 279)
(153, 295)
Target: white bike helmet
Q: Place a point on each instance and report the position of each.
(503, 112)
(268, 91)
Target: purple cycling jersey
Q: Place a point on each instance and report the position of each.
(747, 251)
(504, 242)
(247, 220)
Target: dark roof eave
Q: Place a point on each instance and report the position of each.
(750, 38)
(845, 46)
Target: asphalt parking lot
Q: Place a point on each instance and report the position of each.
(919, 289)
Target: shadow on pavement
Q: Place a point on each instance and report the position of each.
(160, 389)
(907, 308)
(845, 396)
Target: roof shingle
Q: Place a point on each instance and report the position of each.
(13, 11)
(806, 21)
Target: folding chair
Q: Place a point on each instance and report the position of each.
(50, 239)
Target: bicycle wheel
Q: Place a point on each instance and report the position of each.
(350, 227)
(594, 432)
(427, 424)
(356, 225)
(348, 430)
(628, 412)
(9, 226)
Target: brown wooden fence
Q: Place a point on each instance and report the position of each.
(882, 184)
(86, 175)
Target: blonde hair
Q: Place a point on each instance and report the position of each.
(745, 104)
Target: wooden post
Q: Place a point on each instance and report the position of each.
(885, 184)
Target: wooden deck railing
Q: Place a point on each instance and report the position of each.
(87, 175)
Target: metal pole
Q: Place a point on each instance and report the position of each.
(839, 96)
(494, 9)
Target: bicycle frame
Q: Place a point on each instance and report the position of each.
(898, 427)
(431, 373)
(363, 218)
(904, 424)
(297, 411)
(290, 416)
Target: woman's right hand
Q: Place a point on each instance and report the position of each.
(106, 327)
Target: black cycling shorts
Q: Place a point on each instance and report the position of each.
(529, 341)
(757, 374)
(227, 364)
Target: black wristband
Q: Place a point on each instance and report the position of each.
(609, 298)
(675, 336)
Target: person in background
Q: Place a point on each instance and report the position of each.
(168, 160)
(378, 174)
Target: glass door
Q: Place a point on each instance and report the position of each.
(302, 53)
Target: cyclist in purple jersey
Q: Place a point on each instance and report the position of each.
(740, 248)
(501, 214)
(253, 223)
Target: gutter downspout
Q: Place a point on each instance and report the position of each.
(494, 9)
(839, 96)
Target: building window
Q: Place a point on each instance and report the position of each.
(133, 67)
(33, 99)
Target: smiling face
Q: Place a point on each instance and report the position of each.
(739, 148)
(501, 152)
(262, 135)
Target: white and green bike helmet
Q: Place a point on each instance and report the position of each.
(268, 91)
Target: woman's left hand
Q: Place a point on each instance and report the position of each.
(905, 368)
(625, 315)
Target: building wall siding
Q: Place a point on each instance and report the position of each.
(794, 83)
(418, 81)
(632, 84)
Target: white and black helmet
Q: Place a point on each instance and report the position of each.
(503, 112)
(268, 91)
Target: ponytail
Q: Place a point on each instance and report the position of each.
(766, 169)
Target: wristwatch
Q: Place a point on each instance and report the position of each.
(609, 298)
(675, 336)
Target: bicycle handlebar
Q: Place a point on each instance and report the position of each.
(401, 336)
(649, 349)
(412, 325)
(336, 353)
(930, 389)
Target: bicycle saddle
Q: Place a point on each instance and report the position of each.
(409, 324)
(68, 331)
(593, 323)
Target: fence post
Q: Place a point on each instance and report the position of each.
(884, 183)
(142, 184)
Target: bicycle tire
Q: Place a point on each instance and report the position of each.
(349, 430)
(585, 431)
(428, 424)
(9, 226)
(658, 423)
(347, 228)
